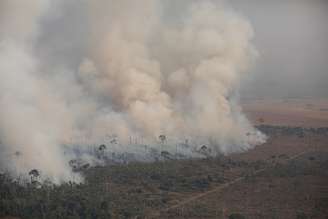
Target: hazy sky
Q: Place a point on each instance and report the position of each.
(292, 39)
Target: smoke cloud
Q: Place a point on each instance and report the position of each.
(136, 72)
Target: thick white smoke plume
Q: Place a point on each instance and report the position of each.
(137, 70)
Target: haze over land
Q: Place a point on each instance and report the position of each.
(163, 109)
(73, 74)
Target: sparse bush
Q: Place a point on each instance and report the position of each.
(236, 216)
(301, 215)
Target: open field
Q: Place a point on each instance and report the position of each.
(288, 112)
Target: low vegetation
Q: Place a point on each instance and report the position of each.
(136, 189)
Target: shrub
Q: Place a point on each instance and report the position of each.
(237, 216)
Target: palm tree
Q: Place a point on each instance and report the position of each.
(102, 147)
(34, 175)
(162, 138)
(101, 151)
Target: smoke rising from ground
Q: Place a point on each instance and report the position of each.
(135, 75)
